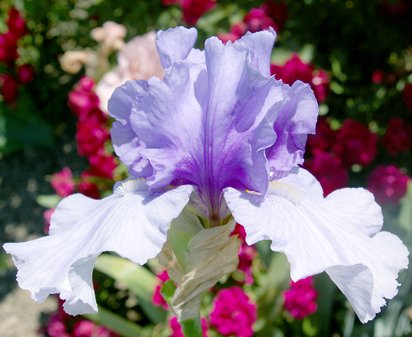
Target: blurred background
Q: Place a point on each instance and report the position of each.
(59, 63)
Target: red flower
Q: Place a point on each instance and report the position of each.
(398, 137)
(246, 254)
(194, 9)
(388, 184)
(25, 73)
(295, 69)
(8, 47)
(102, 165)
(90, 137)
(323, 139)
(355, 144)
(300, 299)
(9, 88)
(328, 169)
(407, 95)
(257, 19)
(16, 23)
(278, 11)
(87, 187)
(237, 30)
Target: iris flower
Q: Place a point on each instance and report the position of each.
(222, 135)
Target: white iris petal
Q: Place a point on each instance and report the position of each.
(132, 222)
(338, 234)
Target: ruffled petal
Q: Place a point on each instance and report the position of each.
(175, 44)
(125, 141)
(260, 46)
(338, 234)
(295, 117)
(205, 124)
(131, 222)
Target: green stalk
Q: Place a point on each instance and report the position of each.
(192, 327)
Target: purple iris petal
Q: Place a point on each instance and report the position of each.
(295, 118)
(211, 119)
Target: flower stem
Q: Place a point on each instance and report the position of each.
(192, 327)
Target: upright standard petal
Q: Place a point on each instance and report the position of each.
(338, 234)
(206, 123)
(131, 222)
(175, 44)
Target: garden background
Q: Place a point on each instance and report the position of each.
(59, 62)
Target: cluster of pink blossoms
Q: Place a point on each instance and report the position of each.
(300, 298)
(271, 14)
(333, 152)
(233, 313)
(19, 74)
(192, 9)
(61, 324)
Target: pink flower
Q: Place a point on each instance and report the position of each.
(328, 169)
(47, 217)
(25, 73)
(90, 137)
(278, 11)
(86, 328)
(257, 19)
(246, 254)
(62, 182)
(137, 60)
(102, 165)
(355, 144)
(237, 30)
(194, 9)
(9, 88)
(324, 138)
(84, 102)
(56, 327)
(398, 137)
(388, 183)
(157, 298)
(300, 299)
(87, 187)
(407, 95)
(177, 329)
(233, 313)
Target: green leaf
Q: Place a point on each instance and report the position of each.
(115, 323)
(136, 278)
(48, 201)
(168, 290)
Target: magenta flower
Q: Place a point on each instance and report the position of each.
(233, 313)
(388, 183)
(300, 299)
(222, 135)
(90, 137)
(62, 182)
(157, 298)
(177, 329)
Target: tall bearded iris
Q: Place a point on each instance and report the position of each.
(222, 137)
